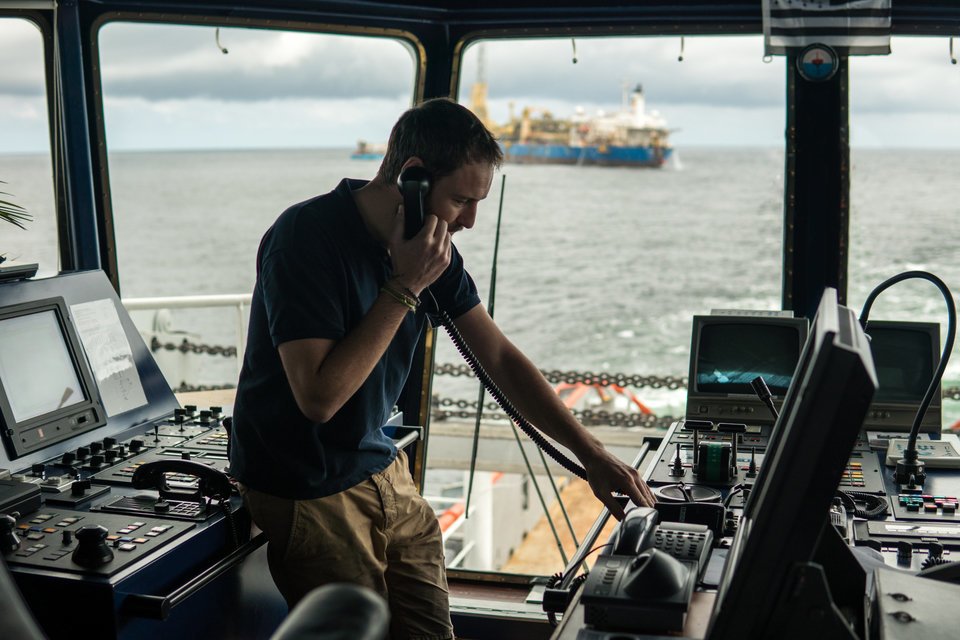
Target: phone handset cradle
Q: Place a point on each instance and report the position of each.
(638, 587)
(414, 184)
(210, 482)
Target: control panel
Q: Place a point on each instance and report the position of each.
(89, 543)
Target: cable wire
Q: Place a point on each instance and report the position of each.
(910, 452)
(501, 398)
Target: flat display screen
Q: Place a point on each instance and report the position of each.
(904, 361)
(47, 393)
(36, 369)
(731, 354)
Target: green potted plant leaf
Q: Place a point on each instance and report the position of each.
(12, 212)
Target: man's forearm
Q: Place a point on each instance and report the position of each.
(353, 357)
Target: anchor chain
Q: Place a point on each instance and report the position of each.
(188, 388)
(191, 347)
(556, 376)
(448, 408)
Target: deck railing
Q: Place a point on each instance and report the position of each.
(239, 301)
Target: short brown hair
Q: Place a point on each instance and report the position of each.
(442, 133)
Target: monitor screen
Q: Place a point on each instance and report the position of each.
(818, 426)
(35, 366)
(906, 355)
(727, 352)
(46, 393)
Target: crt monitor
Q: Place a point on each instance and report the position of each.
(782, 521)
(47, 393)
(728, 351)
(905, 355)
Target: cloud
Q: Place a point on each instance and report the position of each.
(136, 123)
(20, 41)
(168, 85)
(916, 78)
(175, 62)
(715, 71)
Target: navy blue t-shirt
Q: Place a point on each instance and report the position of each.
(318, 273)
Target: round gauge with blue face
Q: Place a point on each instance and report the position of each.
(817, 63)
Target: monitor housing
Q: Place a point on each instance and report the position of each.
(905, 355)
(811, 443)
(728, 351)
(47, 393)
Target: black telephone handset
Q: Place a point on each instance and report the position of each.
(414, 184)
(636, 532)
(211, 483)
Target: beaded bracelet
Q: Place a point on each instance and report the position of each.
(399, 296)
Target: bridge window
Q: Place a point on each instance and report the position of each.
(25, 158)
(211, 135)
(640, 190)
(905, 149)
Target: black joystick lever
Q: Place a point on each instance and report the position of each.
(676, 469)
(752, 471)
(697, 426)
(734, 429)
(79, 488)
(9, 541)
(92, 550)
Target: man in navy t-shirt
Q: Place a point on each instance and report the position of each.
(334, 322)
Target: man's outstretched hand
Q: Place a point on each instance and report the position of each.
(608, 474)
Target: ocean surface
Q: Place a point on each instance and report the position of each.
(599, 269)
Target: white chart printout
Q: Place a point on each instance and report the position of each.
(110, 355)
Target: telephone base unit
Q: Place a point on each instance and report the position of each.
(609, 605)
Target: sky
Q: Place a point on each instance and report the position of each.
(171, 87)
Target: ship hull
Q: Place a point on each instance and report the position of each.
(587, 155)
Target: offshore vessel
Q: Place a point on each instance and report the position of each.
(631, 137)
(368, 151)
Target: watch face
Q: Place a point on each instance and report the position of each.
(817, 63)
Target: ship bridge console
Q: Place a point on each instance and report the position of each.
(777, 512)
(116, 515)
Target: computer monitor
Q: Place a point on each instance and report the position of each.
(728, 351)
(47, 393)
(808, 452)
(905, 355)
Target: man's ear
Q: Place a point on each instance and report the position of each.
(412, 161)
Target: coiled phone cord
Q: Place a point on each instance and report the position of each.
(502, 399)
(875, 506)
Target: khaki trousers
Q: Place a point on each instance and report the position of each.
(380, 534)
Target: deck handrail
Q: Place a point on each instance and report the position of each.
(184, 302)
(240, 301)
